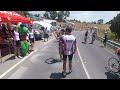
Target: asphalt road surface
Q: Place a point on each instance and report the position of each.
(89, 62)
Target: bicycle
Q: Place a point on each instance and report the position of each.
(114, 64)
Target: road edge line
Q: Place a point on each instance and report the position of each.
(7, 71)
(88, 76)
(85, 69)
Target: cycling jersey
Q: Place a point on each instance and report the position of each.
(69, 42)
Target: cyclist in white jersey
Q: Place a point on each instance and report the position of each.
(69, 48)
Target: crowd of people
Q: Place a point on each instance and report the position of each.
(20, 35)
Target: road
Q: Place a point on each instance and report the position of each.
(89, 62)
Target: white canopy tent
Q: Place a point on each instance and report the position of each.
(44, 24)
(49, 21)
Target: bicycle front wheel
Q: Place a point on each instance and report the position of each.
(113, 64)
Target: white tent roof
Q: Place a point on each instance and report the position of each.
(44, 24)
(49, 21)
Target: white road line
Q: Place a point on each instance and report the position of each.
(1, 76)
(88, 76)
(18, 74)
(106, 49)
(16, 65)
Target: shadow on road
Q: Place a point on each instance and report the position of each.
(56, 76)
(11, 58)
(83, 42)
(101, 46)
(111, 75)
(52, 61)
(90, 43)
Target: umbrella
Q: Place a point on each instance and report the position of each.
(13, 17)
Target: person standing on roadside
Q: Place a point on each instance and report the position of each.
(31, 38)
(60, 44)
(17, 43)
(105, 39)
(69, 48)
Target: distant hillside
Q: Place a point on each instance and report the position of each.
(79, 26)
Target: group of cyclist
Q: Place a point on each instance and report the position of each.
(67, 45)
(87, 35)
(117, 52)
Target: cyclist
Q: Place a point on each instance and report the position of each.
(118, 54)
(90, 30)
(93, 37)
(69, 48)
(60, 44)
(86, 36)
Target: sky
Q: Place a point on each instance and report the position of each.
(88, 16)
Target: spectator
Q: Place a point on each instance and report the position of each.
(31, 38)
(17, 43)
(105, 40)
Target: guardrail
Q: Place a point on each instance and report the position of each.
(109, 42)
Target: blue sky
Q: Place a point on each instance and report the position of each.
(88, 16)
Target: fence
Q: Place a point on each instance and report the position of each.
(114, 45)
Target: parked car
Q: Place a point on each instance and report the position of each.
(38, 34)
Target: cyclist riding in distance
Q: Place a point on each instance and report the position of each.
(60, 43)
(118, 54)
(86, 36)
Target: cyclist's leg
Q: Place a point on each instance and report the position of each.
(85, 39)
(70, 62)
(64, 62)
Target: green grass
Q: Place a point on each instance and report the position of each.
(111, 36)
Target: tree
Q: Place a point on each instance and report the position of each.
(109, 22)
(46, 15)
(59, 15)
(115, 25)
(100, 21)
(53, 14)
(23, 13)
(37, 15)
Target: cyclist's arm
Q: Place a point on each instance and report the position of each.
(75, 46)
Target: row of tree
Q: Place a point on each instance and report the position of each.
(56, 15)
(23, 13)
(115, 25)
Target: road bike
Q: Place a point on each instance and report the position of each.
(114, 64)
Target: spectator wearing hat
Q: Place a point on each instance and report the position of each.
(105, 39)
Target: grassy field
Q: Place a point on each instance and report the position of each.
(80, 26)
